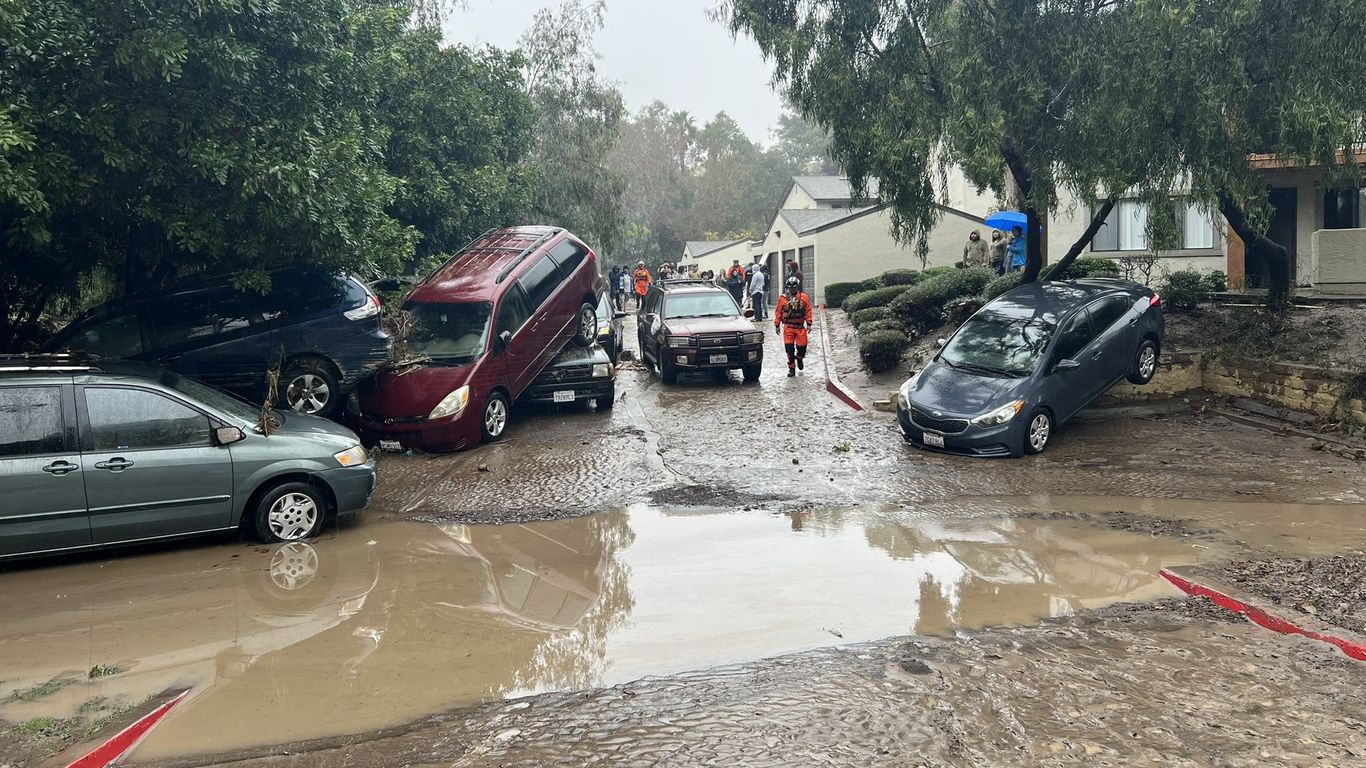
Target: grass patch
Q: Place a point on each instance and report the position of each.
(102, 670)
(43, 690)
(44, 726)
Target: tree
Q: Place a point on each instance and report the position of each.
(579, 119)
(803, 147)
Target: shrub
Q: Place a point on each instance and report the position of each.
(870, 314)
(882, 350)
(900, 277)
(957, 312)
(922, 305)
(1184, 290)
(876, 298)
(1000, 285)
(871, 284)
(836, 293)
(1215, 282)
(1086, 266)
(932, 271)
(889, 324)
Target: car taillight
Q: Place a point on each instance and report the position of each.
(1155, 301)
(367, 310)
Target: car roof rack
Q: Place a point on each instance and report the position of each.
(46, 363)
(521, 257)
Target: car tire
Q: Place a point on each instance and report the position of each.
(289, 512)
(494, 417)
(667, 373)
(1145, 363)
(310, 385)
(1038, 431)
(586, 326)
(752, 373)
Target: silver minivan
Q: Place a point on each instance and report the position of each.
(101, 454)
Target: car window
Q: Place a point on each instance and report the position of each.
(306, 292)
(652, 302)
(451, 332)
(700, 305)
(30, 421)
(604, 310)
(513, 312)
(189, 317)
(999, 343)
(569, 255)
(131, 419)
(1108, 311)
(540, 281)
(113, 337)
(1074, 336)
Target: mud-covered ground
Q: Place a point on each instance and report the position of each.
(1332, 589)
(683, 491)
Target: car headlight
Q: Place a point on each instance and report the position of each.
(352, 457)
(755, 337)
(606, 330)
(602, 371)
(451, 404)
(903, 395)
(680, 341)
(1000, 415)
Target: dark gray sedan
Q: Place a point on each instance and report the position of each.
(1029, 360)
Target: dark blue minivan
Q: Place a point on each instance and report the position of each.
(321, 331)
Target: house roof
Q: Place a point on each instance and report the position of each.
(700, 248)
(825, 188)
(804, 222)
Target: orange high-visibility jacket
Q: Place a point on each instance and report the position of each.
(643, 280)
(793, 310)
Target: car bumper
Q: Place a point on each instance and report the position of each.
(590, 389)
(352, 487)
(987, 442)
(439, 435)
(702, 359)
(362, 356)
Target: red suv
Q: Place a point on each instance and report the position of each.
(488, 321)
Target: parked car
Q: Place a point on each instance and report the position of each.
(1029, 360)
(578, 375)
(692, 325)
(96, 454)
(322, 331)
(609, 328)
(488, 321)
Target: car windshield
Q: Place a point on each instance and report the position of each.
(700, 305)
(604, 310)
(999, 344)
(222, 402)
(452, 333)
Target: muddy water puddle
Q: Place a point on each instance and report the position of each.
(380, 624)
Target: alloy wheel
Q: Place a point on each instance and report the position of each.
(495, 417)
(292, 516)
(293, 565)
(1147, 362)
(308, 393)
(1039, 429)
(588, 324)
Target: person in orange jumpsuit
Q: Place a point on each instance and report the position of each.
(643, 280)
(793, 316)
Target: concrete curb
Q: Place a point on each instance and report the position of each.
(1351, 647)
(125, 741)
(833, 385)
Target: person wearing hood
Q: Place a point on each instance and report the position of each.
(975, 253)
(998, 252)
(758, 295)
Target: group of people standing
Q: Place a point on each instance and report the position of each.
(1003, 254)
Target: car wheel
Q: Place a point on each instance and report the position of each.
(752, 373)
(289, 512)
(1038, 432)
(586, 327)
(667, 373)
(1145, 363)
(494, 419)
(311, 385)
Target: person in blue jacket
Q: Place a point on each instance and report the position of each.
(1016, 249)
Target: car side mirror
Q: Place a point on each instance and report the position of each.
(941, 343)
(504, 339)
(1067, 365)
(618, 315)
(228, 436)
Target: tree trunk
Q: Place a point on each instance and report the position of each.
(1258, 244)
(1097, 221)
(1033, 246)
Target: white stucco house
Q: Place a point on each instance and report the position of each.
(713, 254)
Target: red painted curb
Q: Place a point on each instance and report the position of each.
(833, 385)
(124, 741)
(1261, 618)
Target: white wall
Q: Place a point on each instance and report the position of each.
(798, 200)
(719, 260)
(864, 248)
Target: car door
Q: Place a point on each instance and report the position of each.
(1069, 389)
(648, 320)
(152, 468)
(41, 471)
(518, 353)
(1116, 338)
(218, 335)
(540, 283)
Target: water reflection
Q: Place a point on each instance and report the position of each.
(381, 624)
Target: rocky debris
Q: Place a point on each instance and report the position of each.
(1332, 589)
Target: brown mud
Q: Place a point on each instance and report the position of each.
(1331, 589)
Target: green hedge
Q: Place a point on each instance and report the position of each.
(878, 298)
(869, 315)
(900, 277)
(1000, 285)
(882, 350)
(922, 305)
(1086, 266)
(871, 284)
(932, 271)
(873, 326)
(1184, 290)
(836, 293)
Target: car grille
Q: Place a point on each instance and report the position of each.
(706, 340)
(942, 426)
(576, 373)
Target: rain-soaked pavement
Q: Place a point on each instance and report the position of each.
(667, 586)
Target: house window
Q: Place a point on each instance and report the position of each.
(1342, 208)
(1126, 228)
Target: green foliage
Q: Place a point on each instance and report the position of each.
(1000, 285)
(1215, 282)
(869, 315)
(872, 284)
(1183, 291)
(900, 277)
(888, 324)
(932, 271)
(1085, 266)
(957, 312)
(882, 350)
(922, 305)
(836, 293)
(879, 297)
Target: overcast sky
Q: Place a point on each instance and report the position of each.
(653, 49)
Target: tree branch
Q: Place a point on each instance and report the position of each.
(1097, 221)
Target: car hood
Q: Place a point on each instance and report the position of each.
(412, 393)
(686, 326)
(304, 436)
(949, 390)
(573, 356)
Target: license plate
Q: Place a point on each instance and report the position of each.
(718, 359)
(392, 446)
(564, 396)
(933, 440)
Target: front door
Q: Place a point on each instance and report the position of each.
(151, 468)
(41, 472)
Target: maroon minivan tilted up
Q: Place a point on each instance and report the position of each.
(488, 321)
